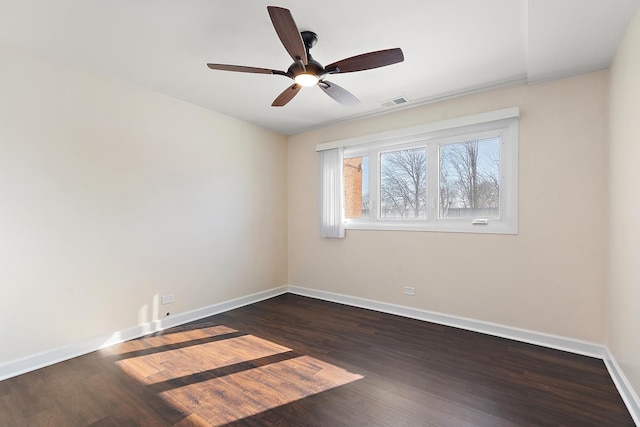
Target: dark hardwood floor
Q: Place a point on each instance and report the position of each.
(296, 361)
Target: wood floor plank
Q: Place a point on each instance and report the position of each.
(11, 410)
(296, 361)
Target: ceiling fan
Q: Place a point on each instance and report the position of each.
(305, 70)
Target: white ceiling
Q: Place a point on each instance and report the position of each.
(451, 47)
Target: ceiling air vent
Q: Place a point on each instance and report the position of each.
(395, 101)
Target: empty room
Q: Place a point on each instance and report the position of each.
(248, 213)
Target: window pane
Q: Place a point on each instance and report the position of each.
(356, 187)
(403, 184)
(470, 179)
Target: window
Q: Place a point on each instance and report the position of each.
(403, 183)
(469, 174)
(458, 175)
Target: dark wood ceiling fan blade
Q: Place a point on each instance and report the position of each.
(243, 69)
(286, 96)
(367, 61)
(339, 94)
(288, 32)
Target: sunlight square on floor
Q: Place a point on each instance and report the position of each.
(220, 375)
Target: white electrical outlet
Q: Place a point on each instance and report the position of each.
(168, 299)
(409, 291)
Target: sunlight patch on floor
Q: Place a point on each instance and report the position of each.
(228, 378)
(159, 366)
(247, 393)
(170, 338)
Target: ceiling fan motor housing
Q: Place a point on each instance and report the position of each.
(313, 67)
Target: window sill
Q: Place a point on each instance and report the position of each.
(495, 227)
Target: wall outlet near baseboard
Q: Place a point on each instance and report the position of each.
(409, 290)
(168, 299)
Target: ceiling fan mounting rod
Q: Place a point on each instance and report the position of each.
(309, 38)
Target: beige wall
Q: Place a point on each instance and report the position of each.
(623, 310)
(112, 195)
(549, 278)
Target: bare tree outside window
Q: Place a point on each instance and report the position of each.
(403, 183)
(448, 190)
(470, 178)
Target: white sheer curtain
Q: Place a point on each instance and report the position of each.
(330, 193)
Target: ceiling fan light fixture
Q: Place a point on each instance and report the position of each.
(307, 79)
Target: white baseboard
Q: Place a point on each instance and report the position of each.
(546, 340)
(627, 393)
(50, 357)
(201, 313)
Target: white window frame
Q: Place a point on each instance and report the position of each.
(502, 123)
